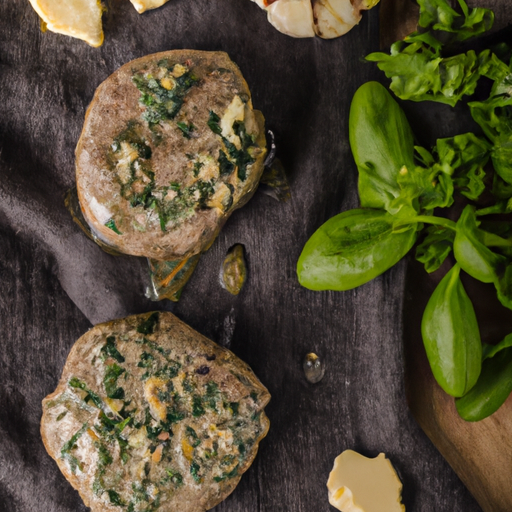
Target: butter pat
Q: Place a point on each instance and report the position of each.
(359, 484)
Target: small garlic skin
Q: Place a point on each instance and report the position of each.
(313, 367)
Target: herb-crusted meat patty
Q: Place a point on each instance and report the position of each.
(150, 415)
(170, 147)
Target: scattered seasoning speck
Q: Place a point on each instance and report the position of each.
(203, 370)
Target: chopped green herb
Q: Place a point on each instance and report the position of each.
(97, 486)
(233, 406)
(169, 371)
(208, 454)
(153, 432)
(197, 407)
(174, 477)
(110, 350)
(123, 424)
(225, 166)
(71, 444)
(74, 463)
(161, 103)
(187, 385)
(194, 471)
(212, 388)
(61, 415)
(186, 128)
(163, 396)
(227, 460)
(146, 360)
(242, 157)
(148, 326)
(174, 416)
(112, 373)
(213, 123)
(211, 396)
(132, 136)
(197, 168)
(226, 476)
(91, 396)
(115, 499)
(192, 437)
(104, 456)
(111, 224)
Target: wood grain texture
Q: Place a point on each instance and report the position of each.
(55, 281)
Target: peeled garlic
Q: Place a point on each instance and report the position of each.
(292, 17)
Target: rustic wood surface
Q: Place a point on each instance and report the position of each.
(56, 283)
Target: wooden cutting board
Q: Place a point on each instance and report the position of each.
(481, 452)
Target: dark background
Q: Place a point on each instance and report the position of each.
(55, 283)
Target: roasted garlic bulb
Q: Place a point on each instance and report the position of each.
(307, 18)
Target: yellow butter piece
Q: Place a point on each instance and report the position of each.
(360, 484)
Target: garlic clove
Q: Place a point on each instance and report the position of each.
(292, 17)
(333, 18)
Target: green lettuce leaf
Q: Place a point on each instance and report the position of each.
(438, 15)
(435, 247)
(416, 66)
(463, 157)
(494, 116)
(419, 73)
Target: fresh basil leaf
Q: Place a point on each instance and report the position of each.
(504, 287)
(491, 390)
(492, 350)
(451, 336)
(381, 140)
(351, 249)
(424, 157)
(435, 247)
(470, 251)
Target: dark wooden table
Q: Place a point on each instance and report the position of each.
(55, 283)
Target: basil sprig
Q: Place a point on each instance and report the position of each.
(401, 189)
